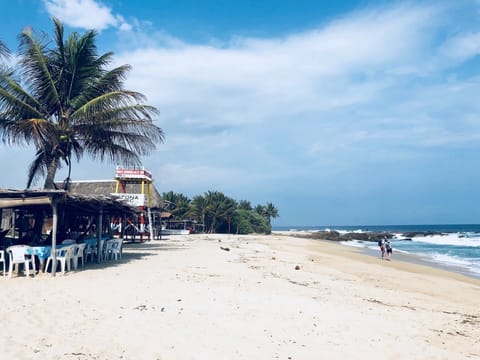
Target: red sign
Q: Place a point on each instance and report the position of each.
(133, 174)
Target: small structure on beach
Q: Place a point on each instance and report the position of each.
(29, 216)
(134, 187)
(129, 178)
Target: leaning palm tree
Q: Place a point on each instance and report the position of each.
(67, 104)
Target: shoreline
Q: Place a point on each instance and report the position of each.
(397, 256)
(421, 260)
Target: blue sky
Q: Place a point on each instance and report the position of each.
(362, 112)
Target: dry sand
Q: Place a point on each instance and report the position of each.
(186, 298)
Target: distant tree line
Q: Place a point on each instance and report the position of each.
(220, 213)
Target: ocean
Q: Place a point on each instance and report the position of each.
(452, 246)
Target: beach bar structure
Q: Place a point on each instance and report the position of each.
(58, 205)
(135, 188)
(142, 178)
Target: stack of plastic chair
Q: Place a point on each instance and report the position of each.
(21, 254)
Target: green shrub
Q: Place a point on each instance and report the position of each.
(248, 222)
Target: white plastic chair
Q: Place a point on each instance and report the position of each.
(63, 256)
(73, 256)
(2, 260)
(108, 246)
(90, 252)
(21, 254)
(116, 249)
(78, 252)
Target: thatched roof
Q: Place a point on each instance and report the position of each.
(107, 187)
(73, 202)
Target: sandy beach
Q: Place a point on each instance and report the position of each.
(242, 297)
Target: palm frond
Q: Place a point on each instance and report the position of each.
(16, 102)
(4, 51)
(34, 61)
(106, 82)
(115, 99)
(80, 69)
(104, 150)
(37, 168)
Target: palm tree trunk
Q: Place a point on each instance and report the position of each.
(51, 171)
(212, 224)
(67, 181)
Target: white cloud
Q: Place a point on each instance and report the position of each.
(86, 14)
(345, 63)
(364, 90)
(206, 177)
(462, 47)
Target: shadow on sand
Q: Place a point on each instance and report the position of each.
(131, 252)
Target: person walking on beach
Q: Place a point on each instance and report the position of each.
(388, 247)
(381, 244)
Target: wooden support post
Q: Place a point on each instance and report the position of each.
(54, 237)
(150, 223)
(99, 234)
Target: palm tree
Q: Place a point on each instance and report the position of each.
(260, 209)
(245, 205)
(68, 104)
(220, 209)
(179, 204)
(270, 211)
(198, 208)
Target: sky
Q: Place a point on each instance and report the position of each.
(339, 113)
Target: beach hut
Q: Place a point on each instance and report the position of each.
(27, 206)
(110, 188)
